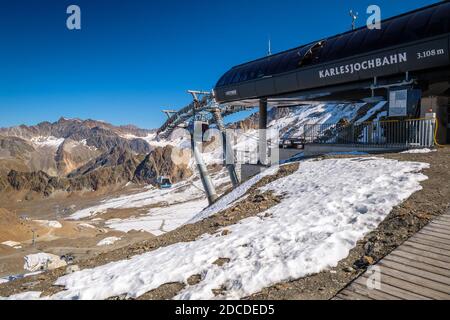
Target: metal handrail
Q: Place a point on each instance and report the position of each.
(407, 133)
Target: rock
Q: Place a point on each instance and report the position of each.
(348, 270)
(368, 247)
(195, 279)
(72, 269)
(226, 232)
(168, 162)
(282, 286)
(219, 292)
(122, 297)
(364, 262)
(221, 262)
(259, 198)
(369, 260)
(138, 251)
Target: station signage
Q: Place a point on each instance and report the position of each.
(364, 65)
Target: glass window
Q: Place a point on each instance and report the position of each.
(354, 44)
(221, 81)
(260, 69)
(394, 32)
(244, 73)
(236, 75)
(273, 63)
(283, 62)
(228, 77)
(252, 72)
(310, 55)
(438, 23)
(328, 47)
(372, 40)
(289, 62)
(336, 52)
(417, 25)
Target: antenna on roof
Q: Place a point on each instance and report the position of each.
(269, 50)
(354, 17)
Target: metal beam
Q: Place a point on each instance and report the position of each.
(196, 139)
(228, 154)
(263, 131)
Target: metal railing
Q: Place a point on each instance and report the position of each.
(397, 134)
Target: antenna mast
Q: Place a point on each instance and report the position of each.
(354, 17)
(269, 50)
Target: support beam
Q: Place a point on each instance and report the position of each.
(263, 131)
(228, 154)
(196, 139)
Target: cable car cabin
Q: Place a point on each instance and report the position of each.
(164, 183)
(416, 42)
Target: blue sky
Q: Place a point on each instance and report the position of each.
(133, 58)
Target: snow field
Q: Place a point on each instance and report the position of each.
(327, 207)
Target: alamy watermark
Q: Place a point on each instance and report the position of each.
(73, 21)
(374, 20)
(374, 278)
(230, 147)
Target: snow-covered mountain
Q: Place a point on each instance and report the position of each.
(61, 147)
(73, 154)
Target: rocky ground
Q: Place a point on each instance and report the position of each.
(401, 223)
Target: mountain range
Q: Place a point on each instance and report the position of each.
(73, 155)
(78, 155)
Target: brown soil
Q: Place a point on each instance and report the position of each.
(404, 220)
(12, 228)
(60, 204)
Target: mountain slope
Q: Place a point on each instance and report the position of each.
(61, 147)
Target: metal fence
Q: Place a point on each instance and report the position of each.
(396, 134)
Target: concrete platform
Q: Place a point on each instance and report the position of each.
(321, 149)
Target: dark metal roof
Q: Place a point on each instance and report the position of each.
(415, 25)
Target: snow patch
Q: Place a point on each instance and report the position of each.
(30, 295)
(227, 201)
(181, 192)
(43, 261)
(12, 244)
(50, 141)
(160, 220)
(49, 224)
(349, 153)
(327, 207)
(417, 151)
(87, 226)
(108, 241)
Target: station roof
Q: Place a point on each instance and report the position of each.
(416, 25)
